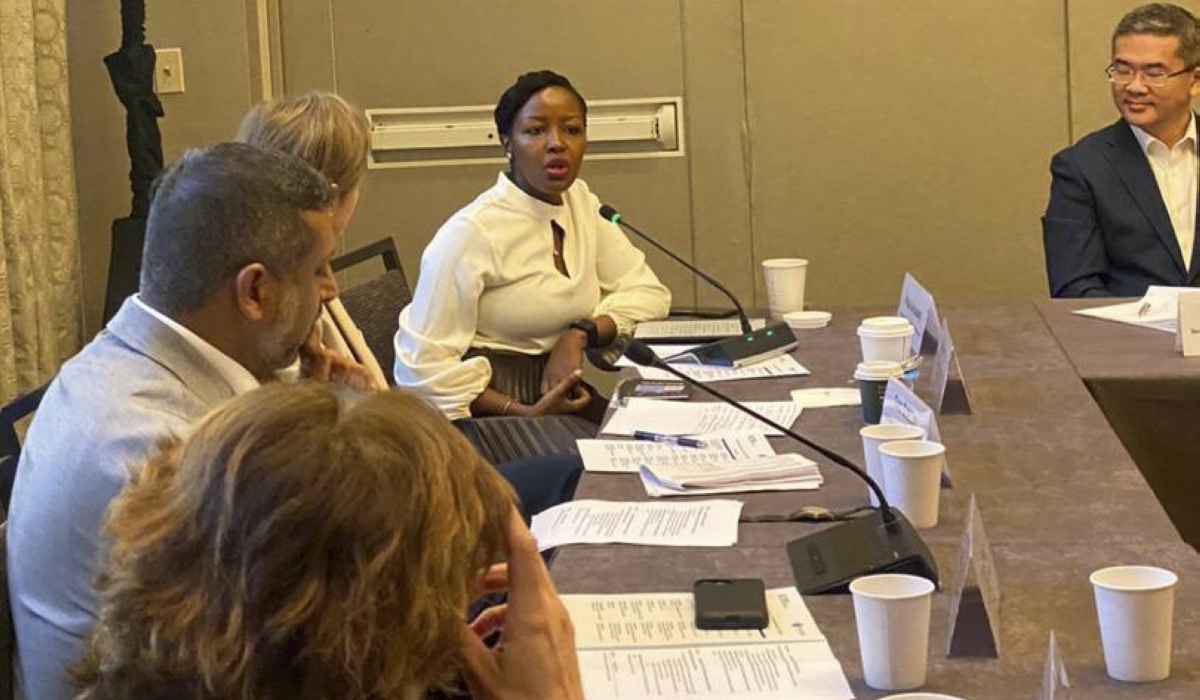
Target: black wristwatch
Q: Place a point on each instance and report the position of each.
(589, 328)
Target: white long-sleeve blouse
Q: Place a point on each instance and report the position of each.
(488, 280)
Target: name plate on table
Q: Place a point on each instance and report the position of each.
(902, 405)
(975, 594)
(947, 385)
(1187, 338)
(916, 305)
(1055, 684)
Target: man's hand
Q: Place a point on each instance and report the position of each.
(320, 363)
(535, 659)
(566, 358)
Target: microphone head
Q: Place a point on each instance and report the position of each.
(609, 214)
(641, 354)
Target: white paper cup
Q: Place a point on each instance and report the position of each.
(807, 320)
(891, 612)
(885, 338)
(785, 285)
(921, 696)
(912, 478)
(875, 435)
(1135, 605)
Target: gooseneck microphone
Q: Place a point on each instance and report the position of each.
(826, 561)
(750, 347)
(610, 214)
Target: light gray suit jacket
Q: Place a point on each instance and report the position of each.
(135, 382)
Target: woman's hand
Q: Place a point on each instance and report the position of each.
(535, 658)
(566, 358)
(567, 396)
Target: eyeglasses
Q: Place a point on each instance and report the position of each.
(1120, 74)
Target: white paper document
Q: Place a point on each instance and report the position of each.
(774, 671)
(778, 366)
(627, 456)
(829, 396)
(1157, 309)
(786, 472)
(647, 647)
(697, 418)
(642, 620)
(711, 523)
(694, 328)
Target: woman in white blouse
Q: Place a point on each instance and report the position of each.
(519, 283)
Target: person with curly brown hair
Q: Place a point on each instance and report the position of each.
(300, 543)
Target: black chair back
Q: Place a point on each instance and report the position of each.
(10, 444)
(375, 305)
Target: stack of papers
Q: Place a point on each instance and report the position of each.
(694, 328)
(647, 647)
(786, 472)
(694, 524)
(627, 456)
(697, 418)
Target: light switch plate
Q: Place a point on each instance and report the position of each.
(168, 71)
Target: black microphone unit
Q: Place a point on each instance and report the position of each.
(828, 560)
(750, 347)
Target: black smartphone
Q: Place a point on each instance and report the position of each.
(661, 390)
(730, 604)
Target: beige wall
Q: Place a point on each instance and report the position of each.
(869, 136)
(213, 37)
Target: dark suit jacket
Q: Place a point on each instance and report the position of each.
(1106, 229)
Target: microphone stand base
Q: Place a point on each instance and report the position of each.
(741, 350)
(828, 560)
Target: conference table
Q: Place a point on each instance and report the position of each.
(1150, 394)
(1058, 494)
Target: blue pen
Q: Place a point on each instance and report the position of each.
(671, 439)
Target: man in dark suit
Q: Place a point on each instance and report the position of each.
(1123, 201)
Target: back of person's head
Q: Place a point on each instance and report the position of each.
(1163, 19)
(320, 128)
(298, 543)
(528, 85)
(220, 208)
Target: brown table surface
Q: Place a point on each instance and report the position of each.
(1150, 395)
(1107, 350)
(1059, 496)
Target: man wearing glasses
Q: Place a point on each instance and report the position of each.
(1123, 201)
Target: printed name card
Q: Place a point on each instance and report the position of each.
(947, 384)
(975, 595)
(916, 305)
(1187, 338)
(901, 405)
(1055, 684)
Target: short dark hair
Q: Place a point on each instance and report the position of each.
(528, 85)
(1163, 19)
(220, 208)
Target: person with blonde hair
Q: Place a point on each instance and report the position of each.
(331, 135)
(303, 544)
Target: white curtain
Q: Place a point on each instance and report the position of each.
(40, 302)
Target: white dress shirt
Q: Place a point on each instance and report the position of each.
(1175, 170)
(488, 280)
(235, 375)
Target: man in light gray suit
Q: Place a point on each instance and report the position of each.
(235, 270)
